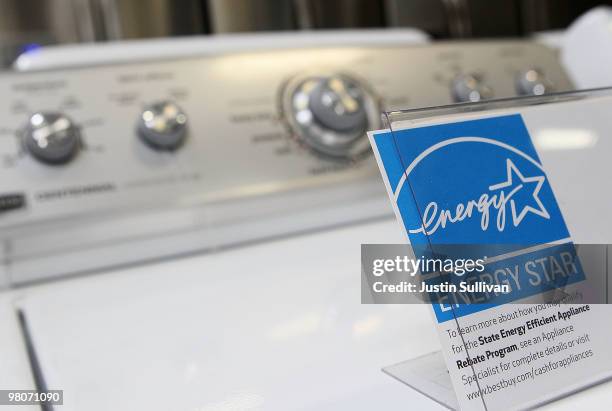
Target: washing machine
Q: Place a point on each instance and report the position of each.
(181, 220)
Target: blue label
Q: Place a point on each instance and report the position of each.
(477, 182)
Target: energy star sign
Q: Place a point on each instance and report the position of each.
(473, 187)
(478, 181)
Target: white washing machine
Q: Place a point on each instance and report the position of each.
(183, 233)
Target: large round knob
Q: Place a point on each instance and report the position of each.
(532, 83)
(331, 114)
(163, 125)
(51, 137)
(470, 88)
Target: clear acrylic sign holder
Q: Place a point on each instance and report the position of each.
(557, 148)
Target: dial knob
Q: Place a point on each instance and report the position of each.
(331, 114)
(470, 88)
(532, 83)
(51, 137)
(163, 125)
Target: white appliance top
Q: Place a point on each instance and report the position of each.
(275, 326)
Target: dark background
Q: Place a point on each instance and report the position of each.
(27, 24)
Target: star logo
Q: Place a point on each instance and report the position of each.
(519, 183)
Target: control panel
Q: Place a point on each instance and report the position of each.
(284, 129)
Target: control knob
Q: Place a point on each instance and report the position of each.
(163, 125)
(331, 114)
(470, 88)
(51, 137)
(532, 83)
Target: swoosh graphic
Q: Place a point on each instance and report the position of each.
(458, 140)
